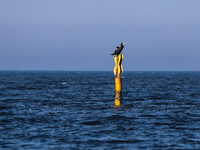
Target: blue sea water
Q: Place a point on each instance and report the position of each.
(75, 110)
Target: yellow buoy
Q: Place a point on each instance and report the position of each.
(118, 69)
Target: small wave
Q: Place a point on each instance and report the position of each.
(64, 83)
(67, 83)
(96, 122)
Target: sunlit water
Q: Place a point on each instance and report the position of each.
(74, 110)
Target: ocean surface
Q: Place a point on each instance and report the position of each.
(75, 110)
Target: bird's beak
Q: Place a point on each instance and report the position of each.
(123, 43)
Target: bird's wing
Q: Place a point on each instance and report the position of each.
(117, 47)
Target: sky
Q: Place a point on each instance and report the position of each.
(159, 35)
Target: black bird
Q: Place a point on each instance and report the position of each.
(119, 49)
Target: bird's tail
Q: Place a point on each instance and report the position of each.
(113, 54)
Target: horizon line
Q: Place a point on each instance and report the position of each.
(110, 70)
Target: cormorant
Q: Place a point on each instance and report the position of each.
(119, 49)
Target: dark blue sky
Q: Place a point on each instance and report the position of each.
(160, 35)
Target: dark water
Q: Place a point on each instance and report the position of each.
(73, 110)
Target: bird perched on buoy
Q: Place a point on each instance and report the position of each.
(119, 49)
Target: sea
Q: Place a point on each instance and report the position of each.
(76, 110)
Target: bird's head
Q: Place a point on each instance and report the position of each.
(122, 43)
